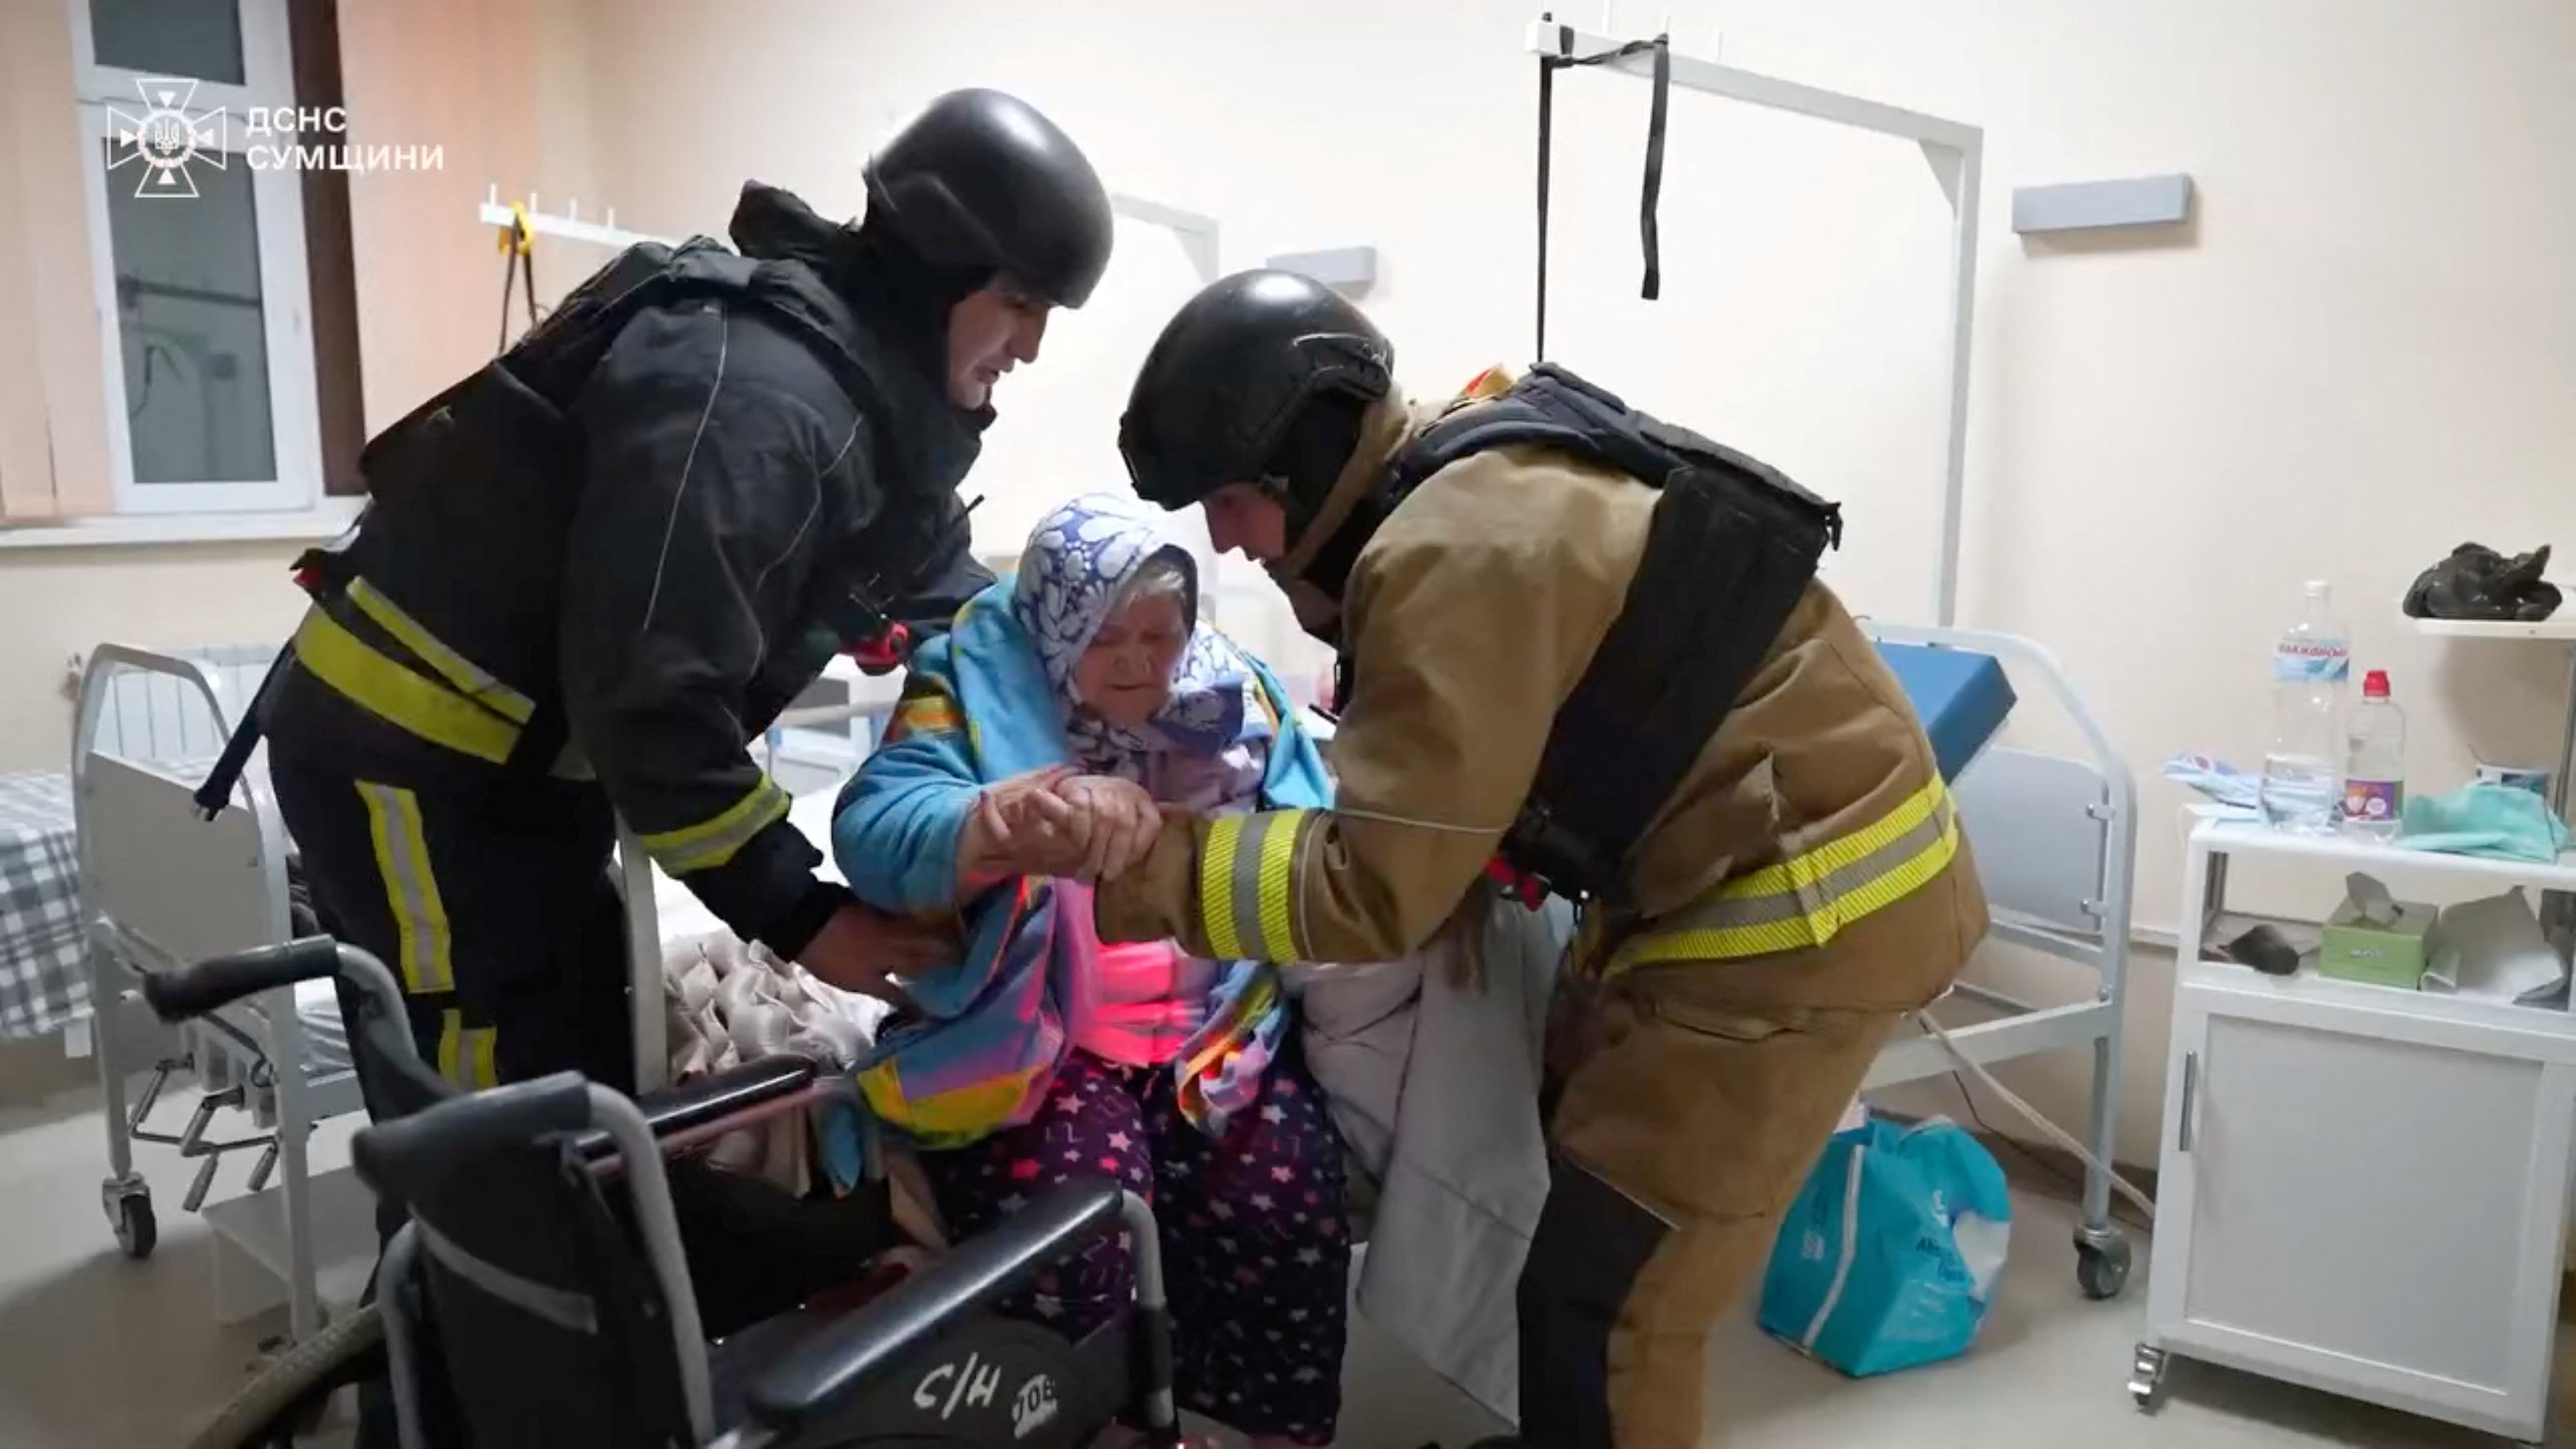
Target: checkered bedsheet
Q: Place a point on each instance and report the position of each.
(43, 983)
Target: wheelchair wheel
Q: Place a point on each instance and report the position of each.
(288, 1395)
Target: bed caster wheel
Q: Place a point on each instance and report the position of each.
(2102, 1265)
(2147, 1379)
(129, 1211)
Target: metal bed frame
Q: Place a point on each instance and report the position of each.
(2055, 839)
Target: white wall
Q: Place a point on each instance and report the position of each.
(2358, 355)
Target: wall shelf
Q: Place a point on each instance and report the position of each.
(2558, 628)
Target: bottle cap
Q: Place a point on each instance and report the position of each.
(2374, 685)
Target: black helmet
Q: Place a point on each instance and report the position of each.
(980, 179)
(1233, 373)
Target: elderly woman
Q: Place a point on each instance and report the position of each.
(1043, 1056)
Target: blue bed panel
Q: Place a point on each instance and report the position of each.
(1963, 698)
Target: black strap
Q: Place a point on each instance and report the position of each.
(217, 791)
(322, 571)
(1651, 196)
(1652, 193)
(1546, 159)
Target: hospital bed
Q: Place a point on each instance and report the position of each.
(160, 887)
(2055, 840)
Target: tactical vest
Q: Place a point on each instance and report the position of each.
(498, 459)
(1730, 550)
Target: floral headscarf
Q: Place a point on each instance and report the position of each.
(1080, 558)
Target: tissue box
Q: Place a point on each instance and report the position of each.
(2389, 955)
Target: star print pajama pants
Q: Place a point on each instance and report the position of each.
(1256, 1240)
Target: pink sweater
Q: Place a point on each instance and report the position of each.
(1152, 996)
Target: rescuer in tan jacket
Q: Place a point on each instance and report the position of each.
(1797, 885)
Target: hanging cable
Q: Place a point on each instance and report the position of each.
(2055, 1133)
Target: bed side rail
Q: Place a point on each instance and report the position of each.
(2027, 661)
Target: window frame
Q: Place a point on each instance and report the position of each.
(285, 276)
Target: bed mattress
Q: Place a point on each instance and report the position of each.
(1962, 698)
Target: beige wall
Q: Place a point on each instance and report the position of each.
(62, 602)
(2360, 354)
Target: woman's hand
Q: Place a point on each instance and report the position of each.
(1002, 838)
(862, 950)
(1118, 823)
(1054, 822)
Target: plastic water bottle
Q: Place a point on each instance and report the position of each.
(2374, 762)
(2310, 668)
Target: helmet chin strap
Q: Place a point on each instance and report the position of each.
(1382, 427)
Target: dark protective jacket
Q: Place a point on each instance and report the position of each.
(618, 556)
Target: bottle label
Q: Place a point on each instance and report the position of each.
(2373, 802)
(2308, 662)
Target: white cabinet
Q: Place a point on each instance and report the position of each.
(2364, 1190)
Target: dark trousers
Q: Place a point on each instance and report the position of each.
(493, 906)
(1256, 1241)
(495, 909)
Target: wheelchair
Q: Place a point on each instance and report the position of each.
(516, 1306)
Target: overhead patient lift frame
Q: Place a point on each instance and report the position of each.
(1957, 152)
(2072, 902)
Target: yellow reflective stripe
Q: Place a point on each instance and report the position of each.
(407, 700)
(1247, 886)
(1216, 887)
(929, 712)
(1805, 901)
(465, 1053)
(1799, 873)
(711, 843)
(482, 1068)
(477, 684)
(425, 942)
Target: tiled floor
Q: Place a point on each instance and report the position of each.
(100, 1353)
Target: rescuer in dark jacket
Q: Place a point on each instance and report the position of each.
(594, 571)
(763, 472)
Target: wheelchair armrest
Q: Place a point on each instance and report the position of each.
(678, 1112)
(822, 1373)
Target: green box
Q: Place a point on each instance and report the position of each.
(2390, 955)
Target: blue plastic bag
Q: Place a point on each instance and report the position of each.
(1889, 1255)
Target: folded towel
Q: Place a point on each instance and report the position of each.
(2501, 821)
(2217, 779)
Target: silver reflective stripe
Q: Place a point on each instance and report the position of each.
(1263, 840)
(562, 1307)
(420, 917)
(1841, 881)
(1849, 1249)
